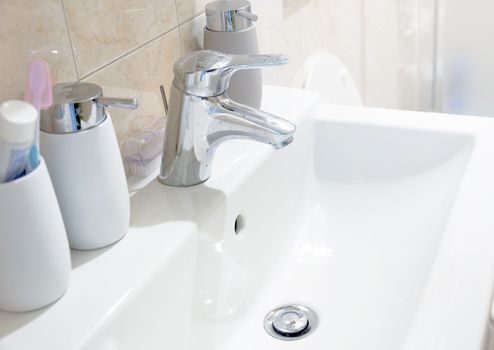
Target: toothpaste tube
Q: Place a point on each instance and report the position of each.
(18, 121)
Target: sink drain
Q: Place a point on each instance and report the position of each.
(290, 322)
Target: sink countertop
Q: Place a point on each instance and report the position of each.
(163, 245)
(102, 280)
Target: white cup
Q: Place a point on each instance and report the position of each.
(34, 252)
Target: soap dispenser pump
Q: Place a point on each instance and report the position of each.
(80, 147)
(231, 28)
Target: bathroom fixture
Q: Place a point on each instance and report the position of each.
(79, 106)
(82, 154)
(231, 28)
(396, 243)
(202, 116)
(290, 322)
(229, 16)
(164, 99)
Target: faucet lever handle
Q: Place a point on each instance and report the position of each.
(207, 73)
(128, 103)
(256, 61)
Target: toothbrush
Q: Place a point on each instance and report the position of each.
(38, 92)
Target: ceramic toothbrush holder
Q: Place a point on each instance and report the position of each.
(34, 252)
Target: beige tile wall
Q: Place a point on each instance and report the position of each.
(129, 46)
(28, 29)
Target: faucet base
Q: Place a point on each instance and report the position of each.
(167, 182)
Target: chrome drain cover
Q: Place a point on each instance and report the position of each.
(290, 322)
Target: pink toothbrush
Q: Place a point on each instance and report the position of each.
(38, 92)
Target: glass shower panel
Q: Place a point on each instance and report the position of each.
(465, 57)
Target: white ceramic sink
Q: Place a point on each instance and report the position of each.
(380, 221)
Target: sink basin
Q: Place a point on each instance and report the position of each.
(378, 220)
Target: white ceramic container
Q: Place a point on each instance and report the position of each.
(34, 253)
(89, 179)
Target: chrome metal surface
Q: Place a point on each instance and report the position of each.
(290, 322)
(164, 99)
(201, 116)
(229, 16)
(128, 103)
(79, 106)
(207, 73)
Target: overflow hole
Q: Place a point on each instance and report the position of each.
(239, 224)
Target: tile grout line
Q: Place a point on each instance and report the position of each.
(181, 24)
(67, 28)
(196, 16)
(128, 53)
(150, 41)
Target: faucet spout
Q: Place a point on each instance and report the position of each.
(233, 120)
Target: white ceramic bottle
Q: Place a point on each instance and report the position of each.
(81, 150)
(230, 28)
(34, 252)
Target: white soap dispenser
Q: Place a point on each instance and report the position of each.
(80, 147)
(230, 28)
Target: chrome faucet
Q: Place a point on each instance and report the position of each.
(201, 116)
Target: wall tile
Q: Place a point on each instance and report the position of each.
(103, 30)
(139, 75)
(188, 9)
(192, 34)
(31, 29)
(121, 44)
